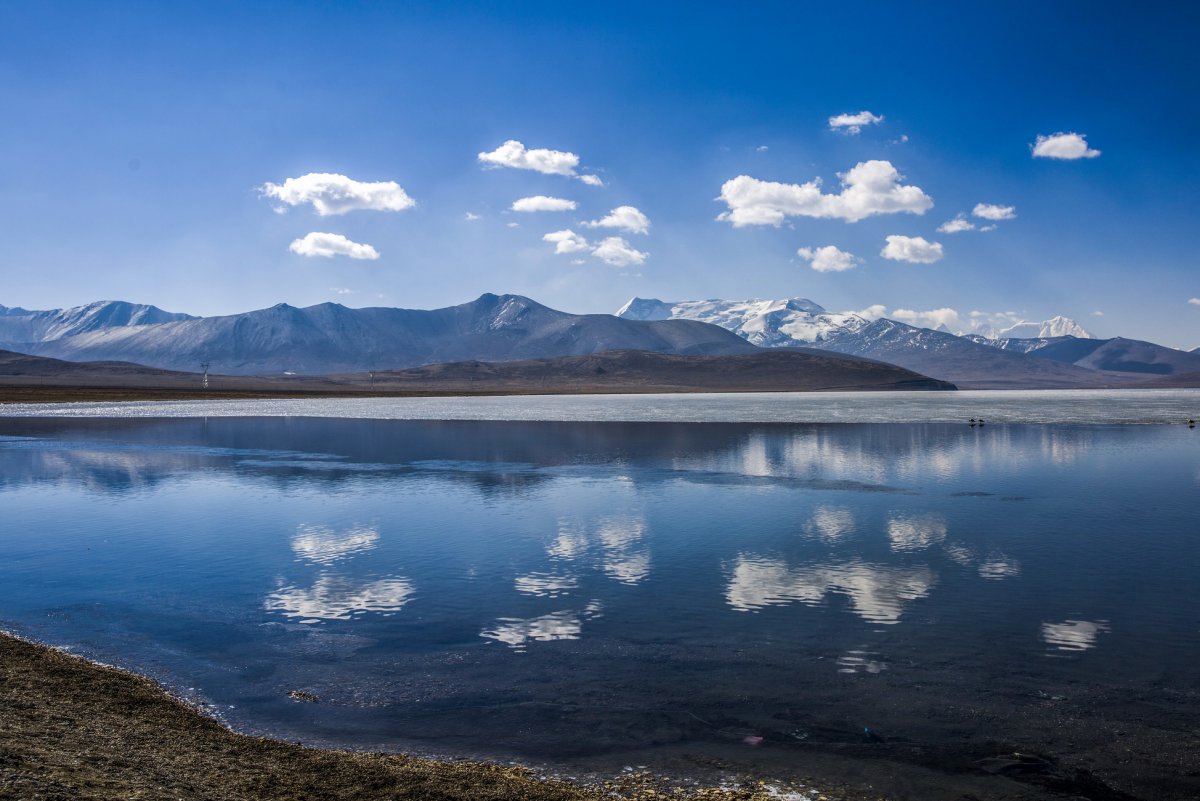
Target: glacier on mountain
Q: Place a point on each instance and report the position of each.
(766, 323)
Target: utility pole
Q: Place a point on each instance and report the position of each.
(204, 367)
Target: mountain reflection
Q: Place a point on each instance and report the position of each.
(877, 593)
(334, 597)
(323, 546)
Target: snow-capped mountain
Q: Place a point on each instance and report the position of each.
(330, 338)
(1054, 327)
(766, 323)
(19, 326)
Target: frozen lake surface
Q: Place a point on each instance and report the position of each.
(1011, 406)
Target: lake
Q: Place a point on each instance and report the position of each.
(899, 605)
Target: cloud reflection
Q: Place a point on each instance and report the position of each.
(830, 524)
(517, 632)
(877, 593)
(916, 532)
(545, 585)
(620, 539)
(1073, 635)
(339, 598)
(323, 545)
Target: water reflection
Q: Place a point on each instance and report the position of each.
(546, 585)
(334, 597)
(1073, 635)
(916, 532)
(877, 593)
(517, 632)
(830, 524)
(623, 556)
(323, 546)
(861, 660)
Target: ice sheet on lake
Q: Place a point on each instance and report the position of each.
(995, 406)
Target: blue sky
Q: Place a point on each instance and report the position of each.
(137, 139)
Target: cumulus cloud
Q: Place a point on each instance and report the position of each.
(543, 203)
(627, 218)
(990, 211)
(761, 149)
(331, 194)
(869, 188)
(873, 312)
(1098, 313)
(1194, 301)
(591, 180)
(957, 225)
(341, 290)
(566, 241)
(515, 155)
(471, 217)
(828, 259)
(329, 245)
(934, 318)
(852, 124)
(915, 249)
(1067, 146)
(616, 251)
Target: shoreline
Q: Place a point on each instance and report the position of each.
(75, 729)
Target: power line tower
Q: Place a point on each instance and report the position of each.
(204, 367)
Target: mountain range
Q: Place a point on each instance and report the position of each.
(329, 338)
(1061, 354)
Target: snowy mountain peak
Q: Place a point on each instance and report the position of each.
(767, 323)
(1054, 327)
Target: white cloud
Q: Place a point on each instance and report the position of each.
(986, 228)
(627, 218)
(828, 259)
(852, 124)
(1099, 313)
(957, 225)
(990, 211)
(515, 155)
(513, 225)
(616, 251)
(761, 149)
(1194, 301)
(915, 249)
(329, 245)
(331, 194)
(591, 180)
(869, 188)
(341, 290)
(934, 318)
(873, 312)
(470, 216)
(566, 241)
(1067, 146)
(543, 203)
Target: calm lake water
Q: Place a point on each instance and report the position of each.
(902, 606)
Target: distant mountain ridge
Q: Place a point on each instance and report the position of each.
(24, 326)
(330, 338)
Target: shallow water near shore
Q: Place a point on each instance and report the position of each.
(900, 605)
